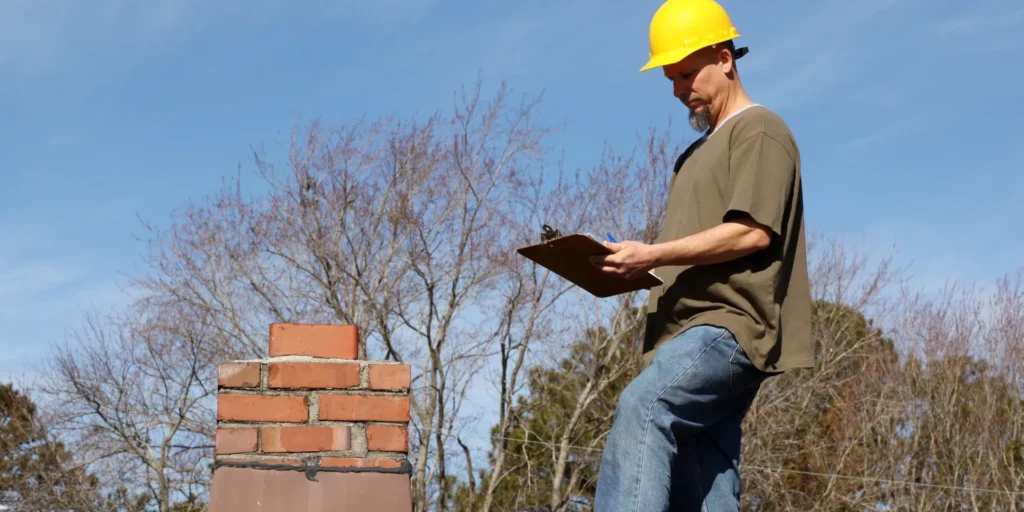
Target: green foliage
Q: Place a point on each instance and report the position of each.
(539, 422)
(32, 468)
(865, 411)
(37, 473)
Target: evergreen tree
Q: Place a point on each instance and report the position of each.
(38, 474)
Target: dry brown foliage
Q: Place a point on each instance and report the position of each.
(917, 406)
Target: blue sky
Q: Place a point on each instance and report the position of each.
(906, 112)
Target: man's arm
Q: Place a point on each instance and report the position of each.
(725, 242)
(728, 241)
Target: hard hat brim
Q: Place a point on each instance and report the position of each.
(666, 58)
(674, 56)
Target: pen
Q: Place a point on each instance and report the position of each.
(610, 239)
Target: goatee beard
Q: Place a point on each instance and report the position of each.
(700, 119)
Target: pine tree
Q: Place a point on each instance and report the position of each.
(37, 473)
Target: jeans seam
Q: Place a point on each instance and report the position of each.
(647, 427)
(721, 335)
(732, 361)
(700, 482)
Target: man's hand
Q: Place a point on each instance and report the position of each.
(728, 241)
(628, 259)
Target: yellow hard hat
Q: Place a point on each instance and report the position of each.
(681, 27)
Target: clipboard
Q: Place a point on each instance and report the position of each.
(568, 256)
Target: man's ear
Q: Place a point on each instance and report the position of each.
(726, 60)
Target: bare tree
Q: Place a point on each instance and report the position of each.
(913, 404)
(632, 202)
(402, 228)
(964, 420)
(132, 396)
(545, 313)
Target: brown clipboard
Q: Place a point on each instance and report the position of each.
(568, 256)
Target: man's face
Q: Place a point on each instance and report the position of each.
(695, 82)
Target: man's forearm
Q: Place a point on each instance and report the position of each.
(722, 243)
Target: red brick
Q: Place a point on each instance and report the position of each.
(236, 440)
(305, 439)
(364, 408)
(350, 462)
(314, 375)
(316, 340)
(390, 376)
(275, 461)
(387, 438)
(231, 407)
(238, 374)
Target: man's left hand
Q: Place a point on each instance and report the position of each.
(628, 259)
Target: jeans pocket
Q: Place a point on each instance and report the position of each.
(742, 372)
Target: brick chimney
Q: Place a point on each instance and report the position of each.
(312, 428)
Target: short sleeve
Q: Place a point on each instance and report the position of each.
(761, 177)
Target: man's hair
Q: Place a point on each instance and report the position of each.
(736, 53)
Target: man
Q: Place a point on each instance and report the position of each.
(735, 306)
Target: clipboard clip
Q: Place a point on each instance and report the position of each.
(549, 233)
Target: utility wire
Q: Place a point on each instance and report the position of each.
(798, 472)
(885, 481)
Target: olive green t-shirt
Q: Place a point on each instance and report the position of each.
(749, 165)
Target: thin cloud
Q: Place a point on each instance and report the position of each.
(980, 22)
(23, 280)
(37, 37)
(575, 37)
(34, 323)
(42, 297)
(799, 83)
(810, 54)
(984, 28)
(881, 135)
(831, 26)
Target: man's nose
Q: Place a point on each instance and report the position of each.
(680, 91)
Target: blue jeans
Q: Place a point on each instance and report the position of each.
(675, 441)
